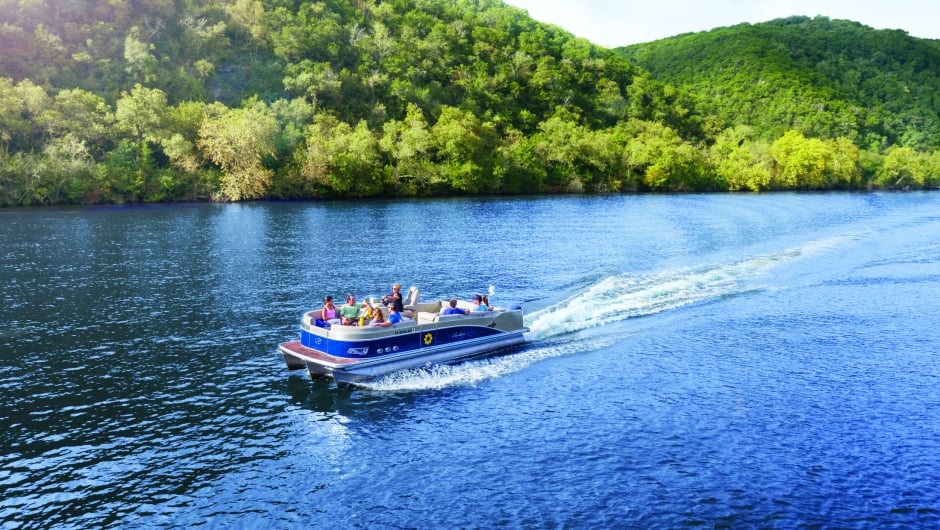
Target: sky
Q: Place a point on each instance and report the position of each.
(613, 23)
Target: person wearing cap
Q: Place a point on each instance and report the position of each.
(478, 304)
(394, 298)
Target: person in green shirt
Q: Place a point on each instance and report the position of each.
(349, 312)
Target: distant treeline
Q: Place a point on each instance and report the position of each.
(133, 100)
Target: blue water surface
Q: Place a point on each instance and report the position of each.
(730, 361)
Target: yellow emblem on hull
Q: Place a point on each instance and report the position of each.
(428, 339)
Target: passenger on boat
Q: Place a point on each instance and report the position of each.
(478, 304)
(454, 310)
(328, 313)
(349, 313)
(378, 319)
(394, 316)
(367, 310)
(395, 298)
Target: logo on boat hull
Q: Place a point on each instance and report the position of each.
(358, 351)
(428, 339)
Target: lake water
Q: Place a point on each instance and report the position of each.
(731, 361)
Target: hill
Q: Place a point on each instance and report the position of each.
(235, 99)
(824, 78)
(165, 100)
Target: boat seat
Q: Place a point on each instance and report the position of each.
(433, 307)
(411, 299)
(425, 317)
(405, 323)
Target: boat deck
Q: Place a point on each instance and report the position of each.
(296, 347)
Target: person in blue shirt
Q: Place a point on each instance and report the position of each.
(394, 317)
(478, 304)
(453, 309)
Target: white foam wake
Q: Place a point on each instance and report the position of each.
(475, 371)
(624, 296)
(610, 299)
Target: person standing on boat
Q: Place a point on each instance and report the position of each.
(349, 313)
(454, 310)
(478, 304)
(395, 298)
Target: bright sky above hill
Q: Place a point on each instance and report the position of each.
(613, 23)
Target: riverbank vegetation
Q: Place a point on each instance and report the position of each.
(144, 101)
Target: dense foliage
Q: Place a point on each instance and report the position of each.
(821, 77)
(874, 92)
(153, 100)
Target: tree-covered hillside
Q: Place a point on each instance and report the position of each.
(155, 100)
(824, 78)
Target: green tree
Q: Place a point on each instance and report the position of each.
(464, 146)
(932, 169)
(558, 144)
(141, 114)
(740, 162)
(661, 158)
(293, 116)
(21, 107)
(341, 159)
(902, 166)
(141, 64)
(82, 115)
(800, 162)
(60, 174)
(237, 141)
(408, 146)
(249, 17)
(519, 164)
(845, 163)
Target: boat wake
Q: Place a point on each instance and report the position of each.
(616, 298)
(469, 373)
(611, 299)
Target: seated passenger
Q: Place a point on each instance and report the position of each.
(349, 313)
(366, 312)
(378, 319)
(454, 310)
(478, 304)
(328, 313)
(394, 317)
